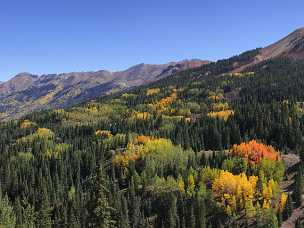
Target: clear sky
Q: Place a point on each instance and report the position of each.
(52, 36)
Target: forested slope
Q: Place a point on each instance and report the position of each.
(202, 148)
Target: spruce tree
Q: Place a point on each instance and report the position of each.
(299, 186)
(201, 212)
(7, 216)
(102, 210)
(124, 215)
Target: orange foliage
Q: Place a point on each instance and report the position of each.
(142, 139)
(168, 100)
(214, 98)
(160, 105)
(254, 152)
(133, 153)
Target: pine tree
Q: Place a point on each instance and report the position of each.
(288, 208)
(124, 215)
(136, 212)
(172, 213)
(267, 219)
(299, 186)
(18, 211)
(192, 218)
(201, 212)
(7, 216)
(44, 214)
(102, 210)
(29, 215)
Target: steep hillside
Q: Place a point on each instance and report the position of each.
(20, 82)
(291, 46)
(25, 92)
(160, 150)
(203, 147)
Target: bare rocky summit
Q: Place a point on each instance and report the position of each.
(291, 46)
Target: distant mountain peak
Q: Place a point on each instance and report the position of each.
(300, 30)
(24, 75)
(30, 92)
(18, 83)
(27, 92)
(291, 46)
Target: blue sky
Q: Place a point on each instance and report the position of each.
(55, 36)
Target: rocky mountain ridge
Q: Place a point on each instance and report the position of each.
(27, 92)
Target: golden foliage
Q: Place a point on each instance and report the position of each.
(214, 98)
(241, 74)
(152, 91)
(91, 109)
(232, 191)
(45, 133)
(142, 115)
(161, 105)
(57, 150)
(181, 184)
(283, 201)
(104, 134)
(26, 124)
(41, 133)
(140, 147)
(270, 192)
(128, 95)
(220, 106)
(168, 100)
(221, 114)
(191, 185)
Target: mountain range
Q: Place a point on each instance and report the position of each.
(27, 92)
(186, 144)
